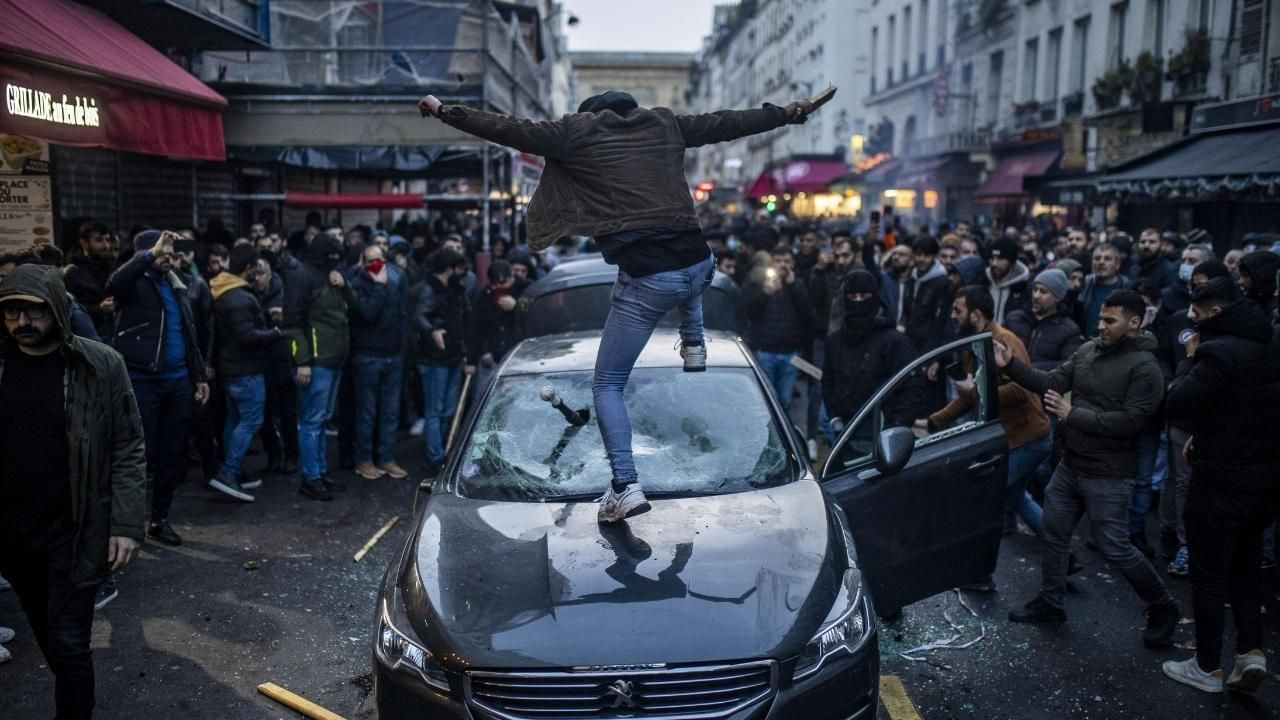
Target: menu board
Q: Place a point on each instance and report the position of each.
(26, 193)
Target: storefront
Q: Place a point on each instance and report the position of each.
(1006, 191)
(800, 187)
(82, 93)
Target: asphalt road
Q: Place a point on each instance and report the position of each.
(268, 592)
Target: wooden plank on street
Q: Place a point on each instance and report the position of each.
(297, 702)
(374, 540)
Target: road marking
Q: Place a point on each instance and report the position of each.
(895, 700)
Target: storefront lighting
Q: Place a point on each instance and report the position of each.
(786, 196)
(890, 193)
(904, 199)
(930, 199)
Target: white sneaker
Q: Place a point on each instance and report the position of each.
(1250, 671)
(418, 427)
(1188, 672)
(695, 357)
(615, 507)
(6, 634)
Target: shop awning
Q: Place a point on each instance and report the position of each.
(1006, 180)
(73, 76)
(1201, 165)
(353, 201)
(922, 173)
(797, 176)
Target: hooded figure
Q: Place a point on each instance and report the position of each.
(865, 353)
(315, 310)
(1258, 278)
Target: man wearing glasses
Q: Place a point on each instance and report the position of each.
(72, 474)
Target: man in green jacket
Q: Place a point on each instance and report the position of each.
(72, 474)
(1115, 387)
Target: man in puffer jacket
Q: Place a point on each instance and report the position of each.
(1227, 394)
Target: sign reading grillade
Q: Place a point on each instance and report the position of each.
(38, 105)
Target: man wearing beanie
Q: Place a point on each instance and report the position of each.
(860, 356)
(155, 333)
(244, 346)
(1045, 326)
(1007, 278)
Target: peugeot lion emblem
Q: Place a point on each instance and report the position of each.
(621, 691)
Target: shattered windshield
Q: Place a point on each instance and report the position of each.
(706, 433)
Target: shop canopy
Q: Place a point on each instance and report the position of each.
(353, 201)
(73, 76)
(797, 176)
(1200, 165)
(1006, 181)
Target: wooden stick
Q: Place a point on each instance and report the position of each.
(457, 412)
(297, 702)
(374, 540)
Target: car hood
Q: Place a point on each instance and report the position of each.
(533, 585)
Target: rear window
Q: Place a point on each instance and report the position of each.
(587, 307)
(700, 434)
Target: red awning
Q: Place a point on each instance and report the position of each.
(353, 201)
(73, 76)
(1006, 180)
(797, 176)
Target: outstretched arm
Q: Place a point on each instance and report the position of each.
(545, 138)
(725, 125)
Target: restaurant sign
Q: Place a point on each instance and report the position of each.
(38, 105)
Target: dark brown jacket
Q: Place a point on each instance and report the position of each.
(607, 173)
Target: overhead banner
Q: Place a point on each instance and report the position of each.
(26, 193)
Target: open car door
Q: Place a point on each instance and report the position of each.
(926, 509)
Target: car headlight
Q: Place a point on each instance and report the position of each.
(400, 652)
(844, 631)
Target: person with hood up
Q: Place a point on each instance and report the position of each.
(316, 302)
(1227, 393)
(1008, 279)
(860, 356)
(1257, 281)
(156, 334)
(244, 343)
(72, 475)
(1115, 388)
(616, 172)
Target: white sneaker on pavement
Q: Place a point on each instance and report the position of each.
(1250, 671)
(418, 427)
(615, 506)
(1188, 672)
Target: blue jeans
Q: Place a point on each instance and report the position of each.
(636, 307)
(1148, 466)
(440, 387)
(1023, 462)
(317, 400)
(781, 373)
(246, 405)
(377, 381)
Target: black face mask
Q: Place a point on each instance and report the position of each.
(455, 282)
(333, 263)
(859, 316)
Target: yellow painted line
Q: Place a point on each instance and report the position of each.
(894, 698)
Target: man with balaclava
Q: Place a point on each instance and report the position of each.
(316, 302)
(616, 172)
(865, 352)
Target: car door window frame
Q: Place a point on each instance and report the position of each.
(832, 466)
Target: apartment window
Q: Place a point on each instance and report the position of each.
(924, 33)
(1204, 11)
(966, 93)
(942, 31)
(907, 29)
(995, 78)
(892, 54)
(1080, 54)
(1052, 63)
(875, 56)
(1030, 66)
(1155, 26)
(1115, 41)
(1252, 22)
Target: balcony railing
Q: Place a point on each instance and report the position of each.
(964, 141)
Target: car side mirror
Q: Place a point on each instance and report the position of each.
(893, 450)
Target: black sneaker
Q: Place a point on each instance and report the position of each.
(106, 593)
(1038, 611)
(230, 486)
(333, 486)
(163, 531)
(1162, 621)
(315, 490)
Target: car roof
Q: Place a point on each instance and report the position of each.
(576, 351)
(589, 269)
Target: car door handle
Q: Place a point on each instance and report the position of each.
(982, 467)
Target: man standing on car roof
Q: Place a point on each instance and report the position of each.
(615, 171)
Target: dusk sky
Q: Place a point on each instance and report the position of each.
(655, 25)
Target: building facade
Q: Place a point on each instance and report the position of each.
(654, 79)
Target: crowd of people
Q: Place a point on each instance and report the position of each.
(1131, 371)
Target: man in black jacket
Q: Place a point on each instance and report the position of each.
(926, 297)
(781, 317)
(155, 332)
(1228, 395)
(1152, 265)
(88, 269)
(244, 344)
(1046, 328)
(494, 328)
(72, 475)
(441, 319)
(380, 316)
(865, 352)
(1115, 388)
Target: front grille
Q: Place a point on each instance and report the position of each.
(675, 693)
